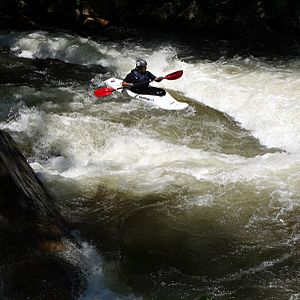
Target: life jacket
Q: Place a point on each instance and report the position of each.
(144, 79)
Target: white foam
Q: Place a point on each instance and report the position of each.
(90, 149)
(263, 97)
(62, 46)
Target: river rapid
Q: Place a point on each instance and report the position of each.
(166, 204)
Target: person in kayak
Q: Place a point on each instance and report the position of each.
(139, 78)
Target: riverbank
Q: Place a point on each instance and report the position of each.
(255, 27)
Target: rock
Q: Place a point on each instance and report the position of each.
(4, 4)
(23, 22)
(115, 33)
(5, 21)
(189, 14)
(22, 192)
(33, 235)
(162, 13)
(262, 23)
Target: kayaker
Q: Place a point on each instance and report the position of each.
(139, 78)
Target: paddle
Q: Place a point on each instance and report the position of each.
(103, 92)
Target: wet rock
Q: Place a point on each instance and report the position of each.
(161, 13)
(115, 33)
(190, 13)
(258, 23)
(7, 4)
(33, 235)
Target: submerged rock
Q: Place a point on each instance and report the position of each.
(33, 235)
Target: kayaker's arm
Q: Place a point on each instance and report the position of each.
(158, 79)
(127, 84)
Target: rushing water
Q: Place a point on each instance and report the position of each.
(169, 204)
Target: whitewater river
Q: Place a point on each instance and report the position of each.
(166, 204)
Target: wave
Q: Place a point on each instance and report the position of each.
(263, 96)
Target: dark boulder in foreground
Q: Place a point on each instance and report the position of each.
(33, 235)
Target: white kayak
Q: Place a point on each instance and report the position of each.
(164, 102)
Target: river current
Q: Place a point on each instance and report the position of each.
(166, 204)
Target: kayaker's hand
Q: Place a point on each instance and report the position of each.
(127, 84)
(159, 79)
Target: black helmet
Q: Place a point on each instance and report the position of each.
(140, 63)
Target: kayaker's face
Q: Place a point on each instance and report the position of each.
(142, 69)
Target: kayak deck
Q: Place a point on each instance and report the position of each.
(164, 102)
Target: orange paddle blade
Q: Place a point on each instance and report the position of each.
(103, 92)
(174, 75)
